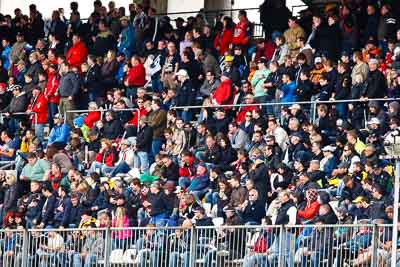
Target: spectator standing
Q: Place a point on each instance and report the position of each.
(68, 90)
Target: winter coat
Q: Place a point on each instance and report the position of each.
(136, 76)
(127, 44)
(223, 40)
(289, 91)
(92, 80)
(39, 107)
(91, 118)
(199, 183)
(77, 54)
(52, 84)
(69, 85)
(60, 134)
(241, 32)
(107, 157)
(186, 94)
(225, 93)
(105, 41)
(10, 198)
(158, 121)
(112, 129)
(144, 139)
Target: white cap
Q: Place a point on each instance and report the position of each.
(374, 121)
(328, 148)
(373, 61)
(318, 60)
(295, 106)
(182, 72)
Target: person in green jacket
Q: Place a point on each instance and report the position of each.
(258, 80)
(35, 169)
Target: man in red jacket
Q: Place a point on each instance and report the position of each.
(136, 77)
(241, 34)
(39, 107)
(225, 92)
(77, 54)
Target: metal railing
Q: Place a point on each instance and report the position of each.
(276, 107)
(11, 115)
(262, 245)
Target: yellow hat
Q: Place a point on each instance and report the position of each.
(358, 199)
(228, 58)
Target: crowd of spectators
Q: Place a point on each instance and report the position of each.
(140, 156)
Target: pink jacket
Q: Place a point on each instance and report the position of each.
(121, 234)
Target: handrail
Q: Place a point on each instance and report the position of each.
(207, 11)
(288, 103)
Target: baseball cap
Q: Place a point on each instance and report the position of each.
(374, 121)
(228, 58)
(318, 60)
(182, 72)
(358, 199)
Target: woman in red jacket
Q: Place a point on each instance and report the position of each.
(39, 107)
(136, 77)
(311, 208)
(224, 38)
(105, 159)
(50, 92)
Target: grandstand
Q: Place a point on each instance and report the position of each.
(228, 136)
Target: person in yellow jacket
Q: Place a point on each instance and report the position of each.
(292, 34)
(27, 140)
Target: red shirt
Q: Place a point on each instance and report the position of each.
(91, 118)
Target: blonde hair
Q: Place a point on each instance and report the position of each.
(11, 179)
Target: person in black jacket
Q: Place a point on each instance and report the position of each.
(92, 80)
(258, 174)
(112, 127)
(10, 197)
(376, 82)
(171, 170)
(186, 94)
(342, 89)
(212, 154)
(104, 40)
(156, 204)
(253, 210)
(49, 205)
(143, 144)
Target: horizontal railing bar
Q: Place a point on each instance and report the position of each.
(290, 103)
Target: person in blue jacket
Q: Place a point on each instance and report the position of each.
(127, 43)
(288, 88)
(60, 132)
(199, 184)
(5, 54)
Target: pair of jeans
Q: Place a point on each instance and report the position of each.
(89, 260)
(185, 115)
(258, 259)
(52, 109)
(39, 131)
(141, 161)
(100, 168)
(144, 254)
(184, 182)
(122, 167)
(212, 198)
(159, 219)
(175, 259)
(156, 84)
(156, 146)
